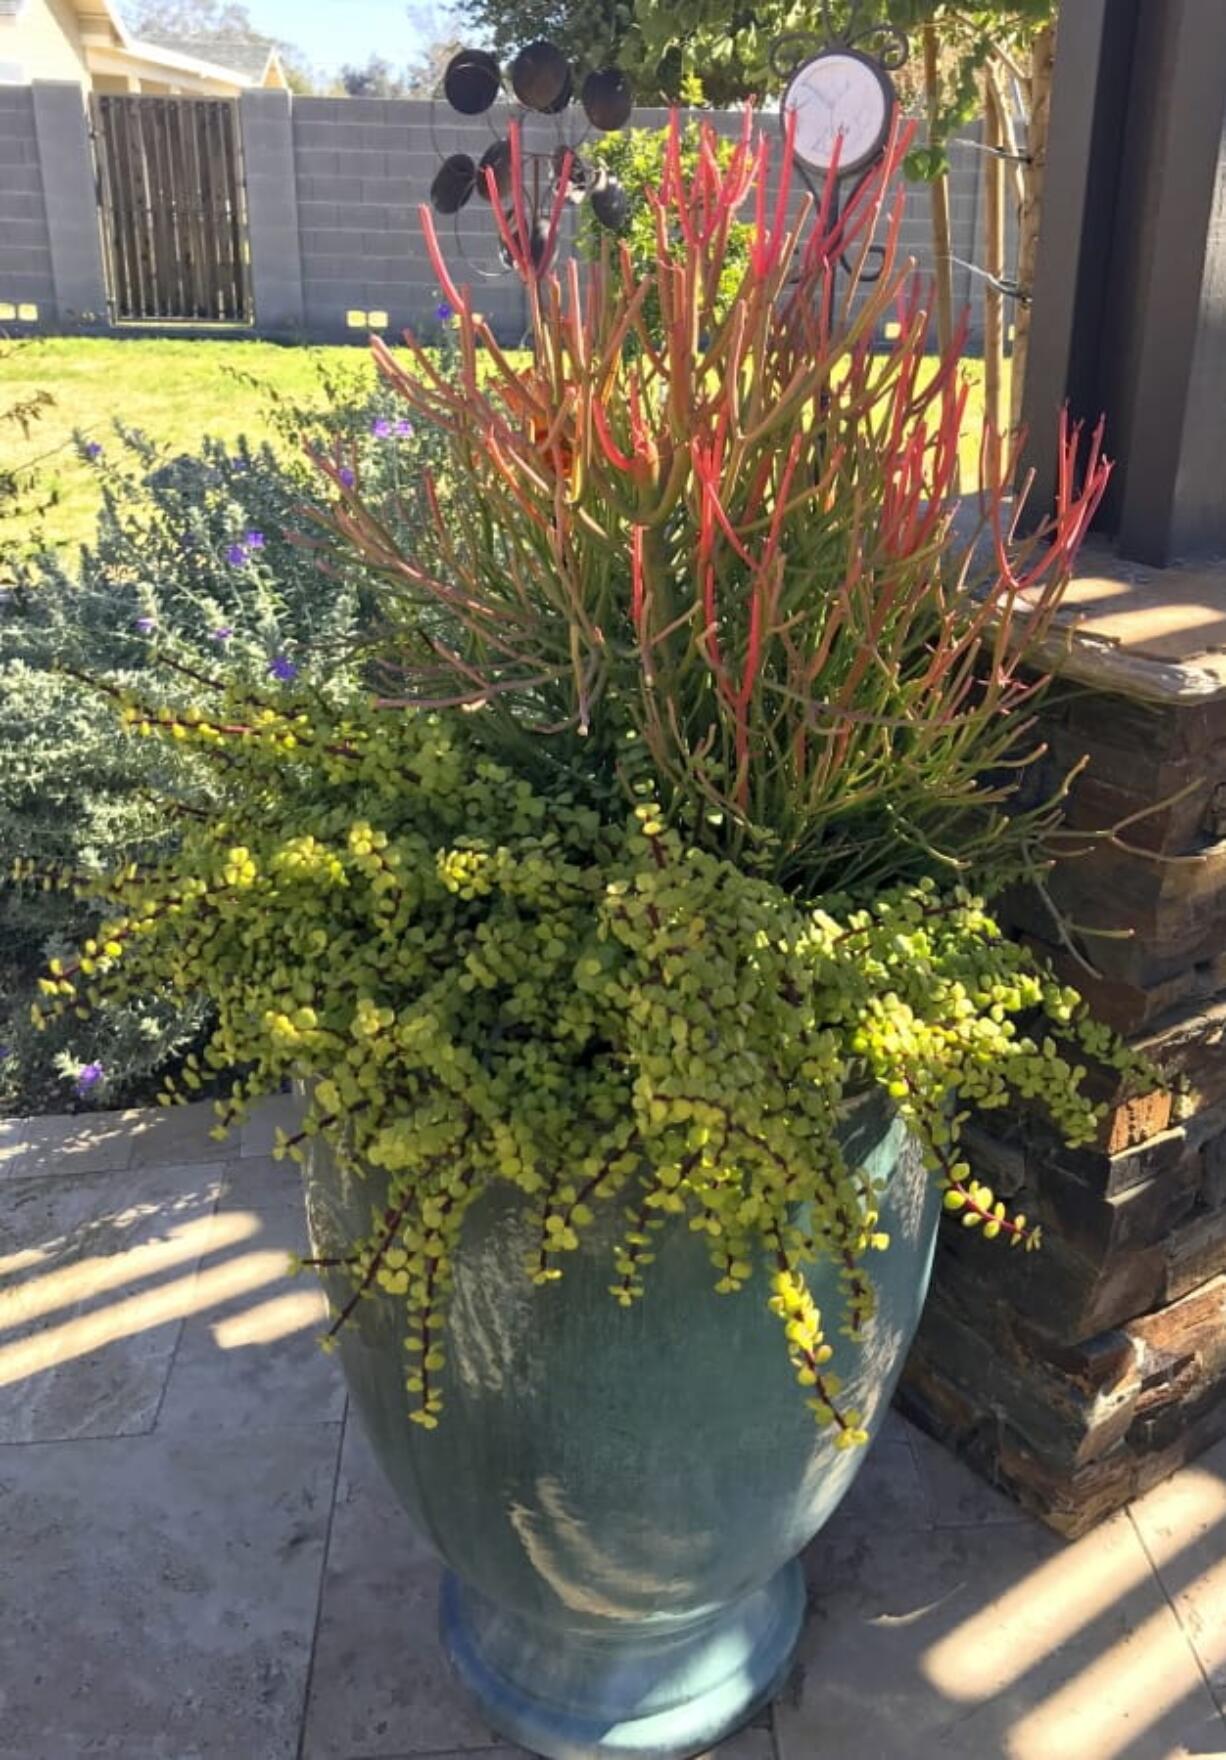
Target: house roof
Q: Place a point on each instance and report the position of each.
(213, 57)
(237, 54)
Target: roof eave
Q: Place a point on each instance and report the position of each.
(161, 56)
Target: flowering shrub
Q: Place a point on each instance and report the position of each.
(195, 566)
(24, 496)
(655, 855)
(636, 158)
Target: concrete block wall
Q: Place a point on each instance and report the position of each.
(362, 167)
(27, 284)
(70, 200)
(267, 134)
(334, 187)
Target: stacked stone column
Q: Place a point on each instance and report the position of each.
(1080, 1375)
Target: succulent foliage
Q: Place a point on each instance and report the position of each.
(483, 980)
(697, 728)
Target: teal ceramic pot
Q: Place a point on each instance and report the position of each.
(620, 1494)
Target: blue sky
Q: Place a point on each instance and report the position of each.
(330, 32)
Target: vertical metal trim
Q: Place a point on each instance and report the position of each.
(1090, 100)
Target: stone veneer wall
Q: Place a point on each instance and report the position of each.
(1080, 1375)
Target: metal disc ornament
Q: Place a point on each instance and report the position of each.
(576, 173)
(496, 158)
(610, 204)
(472, 81)
(536, 184)
(540, 78)
(453, 184)
(608, 99)
(538, 239)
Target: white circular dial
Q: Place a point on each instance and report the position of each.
(838, 95)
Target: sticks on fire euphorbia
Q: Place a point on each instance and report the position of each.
(730, 535)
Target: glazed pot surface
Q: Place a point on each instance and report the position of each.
(606, 1478)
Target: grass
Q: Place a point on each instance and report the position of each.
(177, 392)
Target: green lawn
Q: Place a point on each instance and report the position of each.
(177, 392)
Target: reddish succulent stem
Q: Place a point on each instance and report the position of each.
(732, 513)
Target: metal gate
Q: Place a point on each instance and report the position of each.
(174, 219)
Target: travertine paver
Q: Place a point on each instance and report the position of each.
(160, 1594)
(966, 1641)
(1182, 1525)
(957, 1497)
(380, 1685)
(201, 1561)
(254, 1359)
(887, 1492)
(96, 1273)
(257, 1135)
(172, 1134)
(96, 1143)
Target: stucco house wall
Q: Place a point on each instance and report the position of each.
(87, 41)
(40, 39)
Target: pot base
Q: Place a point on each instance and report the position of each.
(651, 1690)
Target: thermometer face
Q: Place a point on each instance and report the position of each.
(840, 94)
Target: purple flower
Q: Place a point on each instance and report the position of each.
(88, 1077)
(236, 555)
(346, 477)
(5, 1051)
(255, 540)
(146, 625)
(443, 311)
(221, 635)
(404, 429)
(282, 669)
(93, 449)
(381, 428)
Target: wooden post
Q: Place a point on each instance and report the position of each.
(942, 238)
(1130, 279)
(994, 260)
(1042, 69)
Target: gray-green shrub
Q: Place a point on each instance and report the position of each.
(194, 554)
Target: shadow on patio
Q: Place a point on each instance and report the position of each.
(205, 1565)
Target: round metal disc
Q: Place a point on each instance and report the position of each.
(540, 78)
(496, 158)
(610, 204)
(453, 184)
(472, 81)
(608, 98)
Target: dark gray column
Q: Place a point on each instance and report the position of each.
(70, 197)
(1130, 289)
(272, 212)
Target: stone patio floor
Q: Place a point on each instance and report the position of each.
(199, 1561)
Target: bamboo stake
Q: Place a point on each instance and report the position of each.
(942, 238)
(1043, 58)
(994, 263)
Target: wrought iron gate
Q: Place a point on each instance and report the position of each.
(174, 219)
